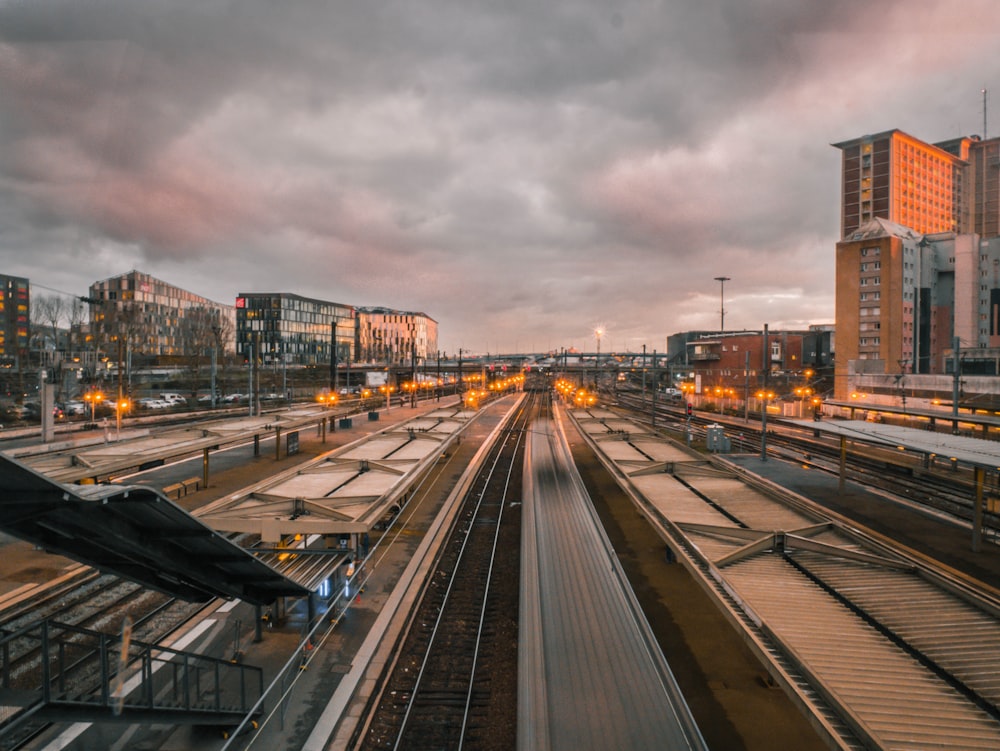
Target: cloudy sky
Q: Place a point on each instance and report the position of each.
(523, 172)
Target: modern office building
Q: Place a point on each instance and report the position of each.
(155, 319)
(951, 186)
(903, 299)
(280, 327)
(895, 176)
(984, 176)
(15, 317)
(917, 264)
(394, 337)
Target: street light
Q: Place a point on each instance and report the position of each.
(722, 301)
(92, 398)
(120, 405)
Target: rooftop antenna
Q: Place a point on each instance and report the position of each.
(984, 114)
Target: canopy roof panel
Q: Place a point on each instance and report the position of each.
(135, 532)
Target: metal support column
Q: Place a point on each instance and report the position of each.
(656, 385)
(977, 516)
(766, 367)
(843, 463)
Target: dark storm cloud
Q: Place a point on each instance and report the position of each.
(521, 172)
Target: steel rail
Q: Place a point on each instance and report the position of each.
(440, 620)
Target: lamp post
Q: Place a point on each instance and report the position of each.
(92, 397)
(722, 301)
(901, 385)
(120, 405)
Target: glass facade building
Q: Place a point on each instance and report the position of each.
(284, 328)
(392, 337)
(157, 319)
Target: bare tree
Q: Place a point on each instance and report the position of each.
(77, 314)
(202, 330)
(116, 330)
(47, 312)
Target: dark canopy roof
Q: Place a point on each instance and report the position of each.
(137, 533)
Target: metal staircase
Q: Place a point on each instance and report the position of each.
(54, 672)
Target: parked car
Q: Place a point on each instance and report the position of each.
(75, 408)
(233, 398)
(33, 411)
(151, 403)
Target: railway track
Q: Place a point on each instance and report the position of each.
(453, 682)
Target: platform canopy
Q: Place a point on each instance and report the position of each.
(346, 491)
(134, 532)
(975, 452)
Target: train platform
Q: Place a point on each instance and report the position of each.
(725, 685)
(24, 568)
(943, 538)
(226, 629)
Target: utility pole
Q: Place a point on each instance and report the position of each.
(956, 368)
(722, 301)
(215, 358)
(763, 411)
(413, 373)
(250, 359)
(746, 388)
(655, 384)
(644, 376)
(121, 389)
(333, 356)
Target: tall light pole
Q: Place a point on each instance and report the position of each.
(722, 301)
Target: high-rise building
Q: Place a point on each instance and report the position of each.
(918, 263)
(984, 179)
(895, 176)
(15, 314)
(904, 298)
(951, 186)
